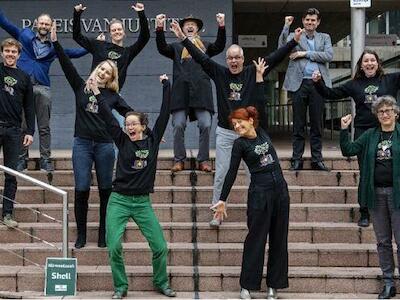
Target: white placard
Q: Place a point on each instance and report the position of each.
(360, 3)
(252, 41)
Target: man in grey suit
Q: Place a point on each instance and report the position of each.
(313, 53)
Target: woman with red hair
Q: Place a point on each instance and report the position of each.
(267, 204)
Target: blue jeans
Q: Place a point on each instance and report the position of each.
(10, 141)
(84, 153)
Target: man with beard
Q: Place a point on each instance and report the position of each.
(36, 57)
(15, 97)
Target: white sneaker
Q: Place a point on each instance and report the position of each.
(272, 294)
(9, 221)
(244, 294)
(215, 223)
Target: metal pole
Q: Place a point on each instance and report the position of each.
(357, 46)
(54, 190)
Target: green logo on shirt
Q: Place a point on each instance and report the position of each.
(10, 81)
(142, 153)
(371, 89)
(113, 55)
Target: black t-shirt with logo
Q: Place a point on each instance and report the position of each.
(364, 92)
(259, 155)
(384, 161)
(16, 95)
(234, 90)
(102, 50)
(137, 160)
(88, 122)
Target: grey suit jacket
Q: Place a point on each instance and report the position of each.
(322, 55)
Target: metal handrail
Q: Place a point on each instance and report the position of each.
(54, 190)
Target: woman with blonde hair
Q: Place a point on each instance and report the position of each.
(92, 142)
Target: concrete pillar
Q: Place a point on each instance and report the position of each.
(357, 45)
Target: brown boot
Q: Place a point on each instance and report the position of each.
(178, 166)
(205, 166)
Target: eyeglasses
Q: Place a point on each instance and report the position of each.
(132, 124)
(388, 112)
(238, 57)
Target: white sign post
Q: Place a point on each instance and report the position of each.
(360, 3)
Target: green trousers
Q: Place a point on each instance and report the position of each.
(119, 210)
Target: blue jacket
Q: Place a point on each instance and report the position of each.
(38, 68)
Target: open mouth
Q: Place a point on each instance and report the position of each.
(132, 135)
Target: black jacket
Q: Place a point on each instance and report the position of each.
(191, 85)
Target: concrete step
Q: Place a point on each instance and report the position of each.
(208, 254)
(167, 178)
(137, 295)
(183, 232)
(166, 212)
(209, 279)
(166, 163)
(201, 194)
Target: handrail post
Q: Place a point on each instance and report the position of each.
(53, 189)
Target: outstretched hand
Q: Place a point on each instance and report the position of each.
(219, 210)
(261, 65)
(176, 28)
(345, 121)
(53, 32)
(138, 7)
(79, 7)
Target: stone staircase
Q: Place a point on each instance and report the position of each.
(328, 253)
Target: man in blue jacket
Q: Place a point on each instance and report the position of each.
(35, 60)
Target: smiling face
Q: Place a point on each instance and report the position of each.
(369, 65)
(242, 127)
(104, 74)
(190, 28)
(133, 128)
(10, 55)
(235, 59)
(117, 32)
(386, 115)
(310, 23)
(43, 25)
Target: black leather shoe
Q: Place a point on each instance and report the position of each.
(319, 166)
(387, 292)
(80, 242)
(296, 165)
(167, 291)
(119, 294)
(363, 222)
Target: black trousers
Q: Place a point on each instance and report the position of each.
(357, 132)
(10, 141)
(307, 96)
(267, 214)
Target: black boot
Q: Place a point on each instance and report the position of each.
(364, 217)
(104, 195)
(81, 210)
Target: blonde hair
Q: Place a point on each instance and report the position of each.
(112, 84)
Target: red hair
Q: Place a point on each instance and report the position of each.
(245, 113)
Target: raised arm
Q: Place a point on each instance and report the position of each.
(12, 30)
(68, 68)
(258, 92)
(218, 46)
(162, 120)
(209, 66)
(274, 58)
(283, 37)
(122, 107)
(144, 34)
(162, 46)
(77, 35)
(339, 92)
(351, 148)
